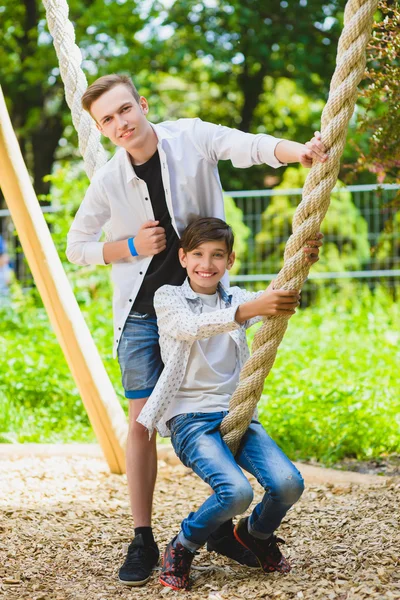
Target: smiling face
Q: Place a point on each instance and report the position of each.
(122, 119)
(206, 265)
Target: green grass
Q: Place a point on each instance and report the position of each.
(334, 390)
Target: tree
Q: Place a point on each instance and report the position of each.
(238, 43)
(379, 124)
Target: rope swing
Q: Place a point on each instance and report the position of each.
(350, 66)
(75, 83)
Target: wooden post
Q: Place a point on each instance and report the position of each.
(104, 410)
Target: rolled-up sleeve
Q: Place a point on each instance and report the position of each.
(176, 320)
(217, 142)
(83, 245)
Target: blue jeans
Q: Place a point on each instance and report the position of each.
(139, 355)
(198, 443)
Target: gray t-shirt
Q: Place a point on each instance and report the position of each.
(212, 372)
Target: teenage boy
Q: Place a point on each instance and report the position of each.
(202, 329)
(161, 177)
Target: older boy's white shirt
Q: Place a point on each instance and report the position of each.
(189, 152)
(180, 323)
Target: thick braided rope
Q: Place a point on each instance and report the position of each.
(75, 83)
(350, 67)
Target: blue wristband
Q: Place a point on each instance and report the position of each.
(132, 248)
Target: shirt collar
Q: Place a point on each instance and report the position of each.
(130, 174)
(191, 295)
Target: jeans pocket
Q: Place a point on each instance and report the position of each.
(176, 423)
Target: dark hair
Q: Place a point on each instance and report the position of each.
(206, 229)
(104, 84)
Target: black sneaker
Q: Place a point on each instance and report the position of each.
(176, 564)
(267, 551)
(230, 547)
(139, 562)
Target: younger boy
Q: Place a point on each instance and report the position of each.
(203, 345)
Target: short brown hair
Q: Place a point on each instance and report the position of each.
(104, 84)
(206, 229)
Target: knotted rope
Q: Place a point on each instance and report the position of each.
(350, 67)
(75, 83)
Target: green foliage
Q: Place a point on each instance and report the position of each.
(343, 223)
(387, 251)
(234, 216)
(379, 125)
(334, 390)
(39, 401)
(286, 110)
(240, 43)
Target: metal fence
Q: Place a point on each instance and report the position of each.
(14, 251)
(361, 244)
(362, 237)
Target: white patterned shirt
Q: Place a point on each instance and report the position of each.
(181, 322)
(189, 151)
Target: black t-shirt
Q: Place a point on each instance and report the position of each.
(165, 266)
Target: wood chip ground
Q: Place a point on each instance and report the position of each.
(64, 526)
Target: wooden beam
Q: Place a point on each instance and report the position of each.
(104, 410)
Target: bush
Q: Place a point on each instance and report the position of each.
(334, 390)
(234, 216)
(387, 251)
(39, 401)
(343, 223)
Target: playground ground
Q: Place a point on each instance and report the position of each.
(65, 524)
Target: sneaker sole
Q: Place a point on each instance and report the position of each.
(243, 544)
(172, 587)
(134, 583)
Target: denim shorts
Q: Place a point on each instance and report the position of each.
(139, 355)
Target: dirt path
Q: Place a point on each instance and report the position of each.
(64, 522)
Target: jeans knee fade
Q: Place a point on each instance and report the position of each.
(289, 490)
(235, 497)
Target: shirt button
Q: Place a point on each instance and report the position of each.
(146, 198)
(119, 328)
(141, 273)
(130, 299)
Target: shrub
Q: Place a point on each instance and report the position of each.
(346, 244)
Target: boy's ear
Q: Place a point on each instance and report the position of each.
(231, 261)
(99, 127)
(144, 105)
(182, 257)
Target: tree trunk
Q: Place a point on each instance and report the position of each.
(251, 87)
(44, 145)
